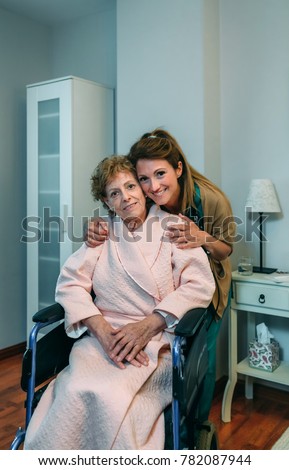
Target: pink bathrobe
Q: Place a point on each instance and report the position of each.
(93, 404)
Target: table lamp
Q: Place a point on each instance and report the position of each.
(262, 198)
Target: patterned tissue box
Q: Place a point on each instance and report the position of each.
(264, 356)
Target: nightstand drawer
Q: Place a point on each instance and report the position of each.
(260, 295)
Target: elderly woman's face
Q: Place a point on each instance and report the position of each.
(125, 197)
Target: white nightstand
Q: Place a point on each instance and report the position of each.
(253, 294)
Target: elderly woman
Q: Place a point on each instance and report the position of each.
(118, 382)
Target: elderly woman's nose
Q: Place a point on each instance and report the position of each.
(126, 195)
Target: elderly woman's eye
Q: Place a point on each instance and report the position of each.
(114, 194)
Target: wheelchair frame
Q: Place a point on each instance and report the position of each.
(189, 361)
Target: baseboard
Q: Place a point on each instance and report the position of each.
(12, 350)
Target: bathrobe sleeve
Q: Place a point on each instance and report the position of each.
(193, 280)
(73, 289)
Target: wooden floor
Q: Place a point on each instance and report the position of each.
(256, 424)
(12, 413)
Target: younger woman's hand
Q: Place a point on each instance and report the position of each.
(95, 232)
(186, 234)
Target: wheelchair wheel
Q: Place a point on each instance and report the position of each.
(207, 437)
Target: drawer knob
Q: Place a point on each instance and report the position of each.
(262, 298)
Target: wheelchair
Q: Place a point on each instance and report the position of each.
(44, 358)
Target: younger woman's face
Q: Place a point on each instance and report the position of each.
(125, 197)
(159, 181)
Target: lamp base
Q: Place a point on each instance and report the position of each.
(257, 269)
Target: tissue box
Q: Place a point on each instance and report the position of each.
(264, 356)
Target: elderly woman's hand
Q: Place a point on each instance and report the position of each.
(105, 334)
(131, 339)
(95, 232)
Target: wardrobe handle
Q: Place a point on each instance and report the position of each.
(262, 298)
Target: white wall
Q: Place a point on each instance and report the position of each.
(86, 48)
(160, 72)
(24, 56)
(211, 83)
(255, 117)
(254, 38)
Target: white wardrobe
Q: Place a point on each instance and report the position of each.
(70, 128)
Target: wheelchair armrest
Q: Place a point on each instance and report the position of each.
(53, 313)
(190, 322)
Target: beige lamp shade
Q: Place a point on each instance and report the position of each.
(262, 197)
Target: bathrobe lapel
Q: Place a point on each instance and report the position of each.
(138, 251)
